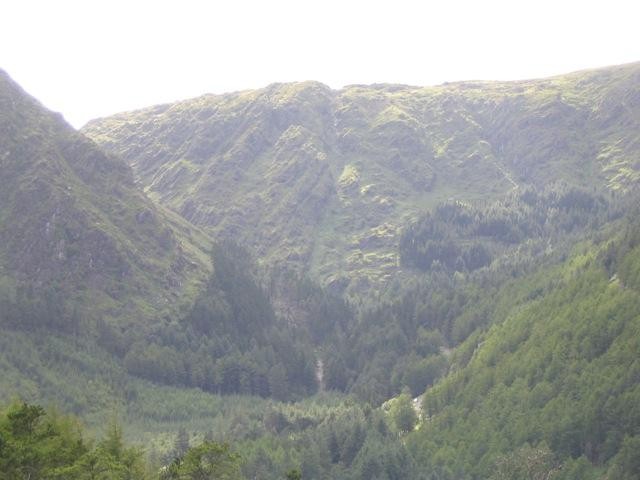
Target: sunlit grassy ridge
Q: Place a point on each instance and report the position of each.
(325, 180)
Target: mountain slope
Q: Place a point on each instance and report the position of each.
(75, 232)
(528, 354)
(87, 258)
(326, 180)
(554, 384)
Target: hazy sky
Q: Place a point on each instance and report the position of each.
(92, 58)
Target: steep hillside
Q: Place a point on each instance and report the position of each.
(78, 241)
(553, 386)
(326, 180)
(88, 262)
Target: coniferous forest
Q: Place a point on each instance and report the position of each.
(382, 282)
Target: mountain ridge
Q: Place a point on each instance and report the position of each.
(324, 181)
(503, 224)
(374, 85)
(73, 220)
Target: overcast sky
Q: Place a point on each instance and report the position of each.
(91, 58)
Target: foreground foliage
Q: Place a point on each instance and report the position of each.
(36, 445)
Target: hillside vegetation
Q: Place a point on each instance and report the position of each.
(324, 181)
(383, 282)
(79, 243)
(553, 383)
(91, 268)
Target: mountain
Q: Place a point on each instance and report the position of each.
(77, 235)
(486, 233)
(94, 275)
(324, 181)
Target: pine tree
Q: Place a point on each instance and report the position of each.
(182, 443)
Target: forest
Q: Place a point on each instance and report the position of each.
(475, 343)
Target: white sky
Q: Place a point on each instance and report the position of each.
(90, 58)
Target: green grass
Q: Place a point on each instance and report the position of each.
(471, 140)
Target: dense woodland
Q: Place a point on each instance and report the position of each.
(495, 375)
(463, 238)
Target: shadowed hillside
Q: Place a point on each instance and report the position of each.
(76, 236)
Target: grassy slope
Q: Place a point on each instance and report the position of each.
(325, 180)
(72, 219)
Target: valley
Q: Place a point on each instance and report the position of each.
(272, 276)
